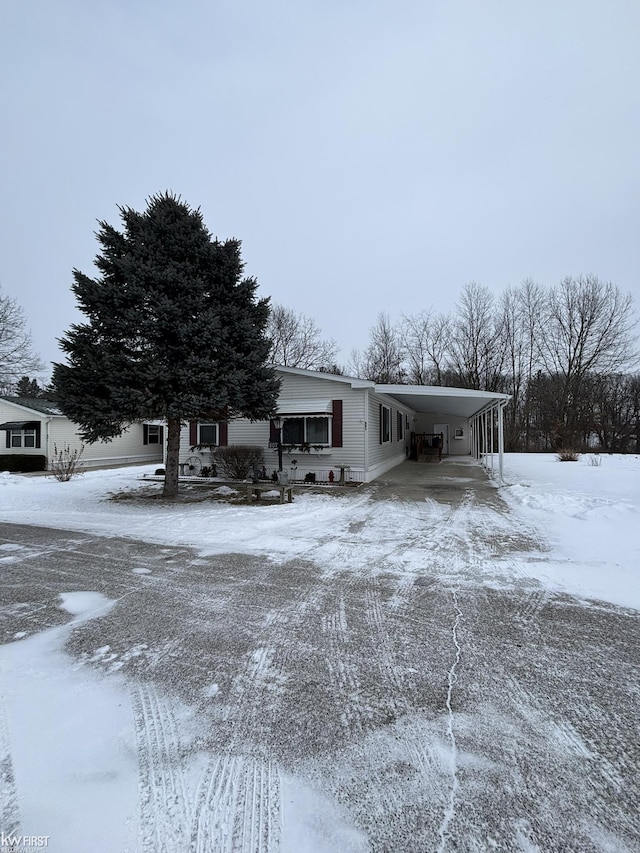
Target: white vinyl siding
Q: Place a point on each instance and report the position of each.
(57, 430)
(387, 454)
(127, 448)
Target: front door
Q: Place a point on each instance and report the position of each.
(444, 429)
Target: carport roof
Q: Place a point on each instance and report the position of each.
(441, 400)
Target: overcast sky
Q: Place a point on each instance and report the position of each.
(371, 155)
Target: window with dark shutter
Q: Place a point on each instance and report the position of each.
(385, 424)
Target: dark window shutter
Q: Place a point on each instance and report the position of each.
(193, 433)
(38, 435)
(399, 425)
(145, 433)
(223, 434)
(7, 432)
(380, 423)
(336, 424)
(273, 432)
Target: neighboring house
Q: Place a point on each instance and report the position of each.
(331, 422)
(36, 427)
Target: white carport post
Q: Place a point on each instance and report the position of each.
(501, 406)
(485, 443)
(492, 413)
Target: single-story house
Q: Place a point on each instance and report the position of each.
(36, 427)
(338, 424)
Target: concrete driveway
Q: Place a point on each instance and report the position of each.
(365, 708)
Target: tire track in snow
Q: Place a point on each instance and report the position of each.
(572, 740)
(9, 802)
(343, 671)
(376, 622)
(164, 803)
(237, 808)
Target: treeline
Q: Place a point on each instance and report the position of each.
(566, 355)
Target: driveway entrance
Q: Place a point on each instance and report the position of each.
(449, 481)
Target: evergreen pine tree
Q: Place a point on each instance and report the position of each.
(29, 388)
(173, 331)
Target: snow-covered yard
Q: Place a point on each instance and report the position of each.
(342, 673)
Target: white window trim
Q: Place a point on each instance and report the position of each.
(217, 433)
(21, 435)
(304, 418)
(155, 437)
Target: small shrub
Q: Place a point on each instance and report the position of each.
(208, 471)
(310, 477)
(240, 461)
(159, 472)
(595, 460)
(566, 455)
(66, 462)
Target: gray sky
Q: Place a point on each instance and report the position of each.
(371, 155)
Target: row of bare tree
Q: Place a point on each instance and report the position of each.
(564, 353)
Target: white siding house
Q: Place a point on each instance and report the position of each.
(35, 427)
(332, 422)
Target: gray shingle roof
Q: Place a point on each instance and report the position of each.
(36, 404)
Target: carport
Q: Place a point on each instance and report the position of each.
(482, 411)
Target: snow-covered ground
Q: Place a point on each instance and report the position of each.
(587, 516)
(366, 674)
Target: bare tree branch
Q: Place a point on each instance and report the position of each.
(296, 341)
(17, 357)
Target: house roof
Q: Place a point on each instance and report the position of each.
(331, 377)
(441, 400)
(427, 399)
(35, 404)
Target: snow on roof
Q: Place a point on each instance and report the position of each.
(35, 404)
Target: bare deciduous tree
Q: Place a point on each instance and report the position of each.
(16, 350)
(296, 341)
(588, 328)
(522, 311)
(383, 359)
(426, 340)
(477, 340)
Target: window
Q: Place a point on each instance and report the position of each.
(385, 424)
(23, 438)
(151, 434)
(208, 434)
(311, 430)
